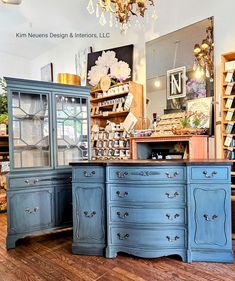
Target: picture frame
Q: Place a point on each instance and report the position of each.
(176, 83)
(47, 72)
(203, 105)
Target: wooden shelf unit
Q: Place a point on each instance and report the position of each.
(227, 58)
(137, 108)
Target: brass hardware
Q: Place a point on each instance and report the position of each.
(172, 196)
(172, 240)
(122, 237)
(122, 194)
(91, 215)
(170, 217)
(209, 176)
(89, 174)
(206, 216)
(122, 216)
(32, 210)
(172, 176)
(120, 175)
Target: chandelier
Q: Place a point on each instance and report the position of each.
(204, 56)
(121, 10)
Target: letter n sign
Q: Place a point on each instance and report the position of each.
(176, 83)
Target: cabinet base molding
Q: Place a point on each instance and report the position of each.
(88, 250)
(212, 256)
(112, 251)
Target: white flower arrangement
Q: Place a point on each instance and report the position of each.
(108, 64)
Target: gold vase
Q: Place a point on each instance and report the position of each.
(71, 79)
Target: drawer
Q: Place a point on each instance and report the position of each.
(147, 215)
(206, 173)
(30, 210)
(147, 194)
(150, 173)
(14, 182)
(147, 237)
(88, 174)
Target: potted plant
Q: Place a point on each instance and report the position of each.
(3, 108)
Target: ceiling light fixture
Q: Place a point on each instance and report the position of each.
(15, 2)
(204, 55)
(122, 10)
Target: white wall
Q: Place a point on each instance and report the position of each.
(13, 66)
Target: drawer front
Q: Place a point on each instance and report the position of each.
(147, 194)
(147, 215)
(147, 237)
(38, 180)
(88, 174)
(150, 173)
(210, 173)
(30, 211)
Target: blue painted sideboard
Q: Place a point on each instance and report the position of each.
(152, 209)
(48, 128)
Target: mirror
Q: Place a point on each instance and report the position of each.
(179, 68)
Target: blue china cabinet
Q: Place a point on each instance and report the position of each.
(48, 128)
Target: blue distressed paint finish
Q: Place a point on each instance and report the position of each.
(153, 210)
(40, 196)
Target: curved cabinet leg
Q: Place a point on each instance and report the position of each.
(11, 242)
(110, 253)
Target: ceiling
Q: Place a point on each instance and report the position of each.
(161, 52)
(40, 16)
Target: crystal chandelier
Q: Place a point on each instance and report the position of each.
(121, 10)
(204, 56)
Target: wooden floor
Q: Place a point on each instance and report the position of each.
(49, 257)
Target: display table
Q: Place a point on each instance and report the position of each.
(152, 209)
(196, 146)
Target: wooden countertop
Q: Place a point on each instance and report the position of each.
(152, 162)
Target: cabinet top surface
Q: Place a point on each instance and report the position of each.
(152, 162)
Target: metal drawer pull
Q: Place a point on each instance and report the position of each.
(32, 210)
(26, 181)
(89, 174)
(122, 194)
(210, 219)
(172, 196)
(91, 215)
(121, 176)
(172, 176)
(122, 237)
(172, 240)
(122, 216)
(36, 181)
(209, 176)
(171, 218)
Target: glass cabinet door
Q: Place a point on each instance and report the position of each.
(30, 130)
(72, 129)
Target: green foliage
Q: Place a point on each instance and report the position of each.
(3, 97)
(4, 118)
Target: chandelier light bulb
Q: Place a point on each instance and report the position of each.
(204, 44)
(197, 49)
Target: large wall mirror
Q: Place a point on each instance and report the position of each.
(180, 69)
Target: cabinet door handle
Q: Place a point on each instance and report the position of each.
(171, 218)
(209, 176)
(168, 194)
(89, 215)
(36, 181)
(206, 216)
(121, 175)
(122, 236)
(172, 176)
(122, 216)
(122, 194)
(31, 210)
(88, 175)
(26, 181)
(172, 239)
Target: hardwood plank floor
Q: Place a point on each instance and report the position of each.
(49, 257)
